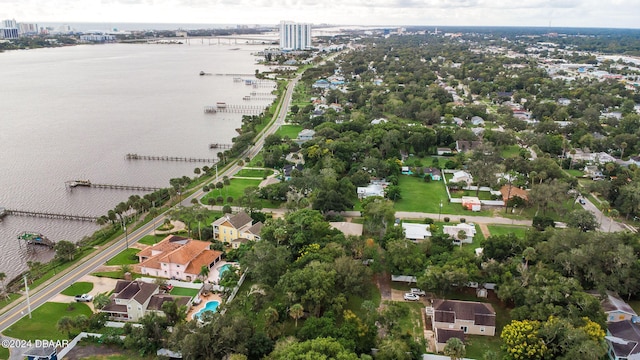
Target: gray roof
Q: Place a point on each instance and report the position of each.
(40, 351)
(450, 310)
(138, 291)
(256, 228)
(158, 299)
(115, 308)
(629, 333)
(442, 335)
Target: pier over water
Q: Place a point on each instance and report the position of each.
(167, 158)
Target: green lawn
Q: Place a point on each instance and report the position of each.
(421, 196)
(510, 151)
(235, 189)
(576, 173)
(519, 231)
(354, 303)
(80, 287)
(482, 195)
(42, 324)
(254, 173)
(4, 352)
(116, 274)
(478, 345)
(127, 256)
(257, 161)
(289, 130)
(152, 239)
(180, 291)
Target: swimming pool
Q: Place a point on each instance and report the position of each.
(222, 269)
(209, 306)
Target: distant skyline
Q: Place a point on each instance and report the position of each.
(554, 13)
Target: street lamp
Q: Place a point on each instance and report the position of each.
(440, 210)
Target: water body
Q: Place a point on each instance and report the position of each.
(74, 112)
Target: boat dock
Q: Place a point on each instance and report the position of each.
(220, 146)
(87, 183)
(49, 215)
(167, 158)
(246, 109)
(34, 238)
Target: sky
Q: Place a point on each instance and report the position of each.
(554, 13)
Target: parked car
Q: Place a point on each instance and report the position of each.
(83, 298)
(418, 292)
(582, 202)
(411, 297)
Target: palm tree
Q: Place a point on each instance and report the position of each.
(454, 349)
(125, 268)
(623, 145)
(296, 311)
(614, 213)
(101, 300)
(204, 272)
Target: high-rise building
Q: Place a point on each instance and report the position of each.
(295, 36)
(8, 29)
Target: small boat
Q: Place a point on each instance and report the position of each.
(202, 73)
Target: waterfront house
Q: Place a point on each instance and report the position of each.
(177, 258)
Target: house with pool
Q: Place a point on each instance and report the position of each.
(177, 258)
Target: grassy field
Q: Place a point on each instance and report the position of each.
(254, 173)
(482, 195)
(421, 196)
(127, 256)
(576, 173)
(290, 131)
(4, 352)
(510, 151)
(80, 287)
(151, 239)
(519, 231)
(116, 274)
(478, 345)
(236, 189)
(180, 291)
(257, 161)
(42, 325)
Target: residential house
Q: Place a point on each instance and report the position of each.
(336, 107)
(370, 190)
(458, 318)
(564, 101)
(462, 176)
(477, 121)
(458, 121)
(288, 169)
(434, 173)
(177, 258)
(509, 192)
(306, 135)
(416, 232)
(231, 227)
(321, 84)
(444, 151)
(453, 231)
(623, 340)
(378, 121)
(462, 146)
(593, 172)
(614, 307)
(132, 300)
(40, 353)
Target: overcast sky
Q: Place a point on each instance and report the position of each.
(555, 13)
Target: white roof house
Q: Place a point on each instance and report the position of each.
(459, 176)
(370, 190)
(453, 230)
(416, 232)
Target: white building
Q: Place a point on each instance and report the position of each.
(9, 29)
(416, 232)
(295, 36)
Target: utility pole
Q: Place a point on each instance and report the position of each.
(26, 289)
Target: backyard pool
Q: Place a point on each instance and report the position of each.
(222, 269)
(209, 306)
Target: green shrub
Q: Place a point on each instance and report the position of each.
(446, 219)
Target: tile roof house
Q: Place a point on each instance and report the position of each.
(453, 318)
(132, 300)
(231, 227)
(177, 258)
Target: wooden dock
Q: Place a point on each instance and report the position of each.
(49, 215)
(230, 108)
(220, 146)
(87, 183)
(167, 158)
(34, 238)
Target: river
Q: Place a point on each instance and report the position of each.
(74, 112)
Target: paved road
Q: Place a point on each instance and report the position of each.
(606, 223)
(45, 292)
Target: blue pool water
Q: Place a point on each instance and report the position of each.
(222, 269)
(209, 306)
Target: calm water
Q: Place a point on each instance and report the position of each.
(73, 113)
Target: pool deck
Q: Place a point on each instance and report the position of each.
(205, 299)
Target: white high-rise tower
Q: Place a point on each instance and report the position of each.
(295, 36)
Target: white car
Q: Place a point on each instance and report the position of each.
(411, 297)
(418, 292)
(83, 298)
